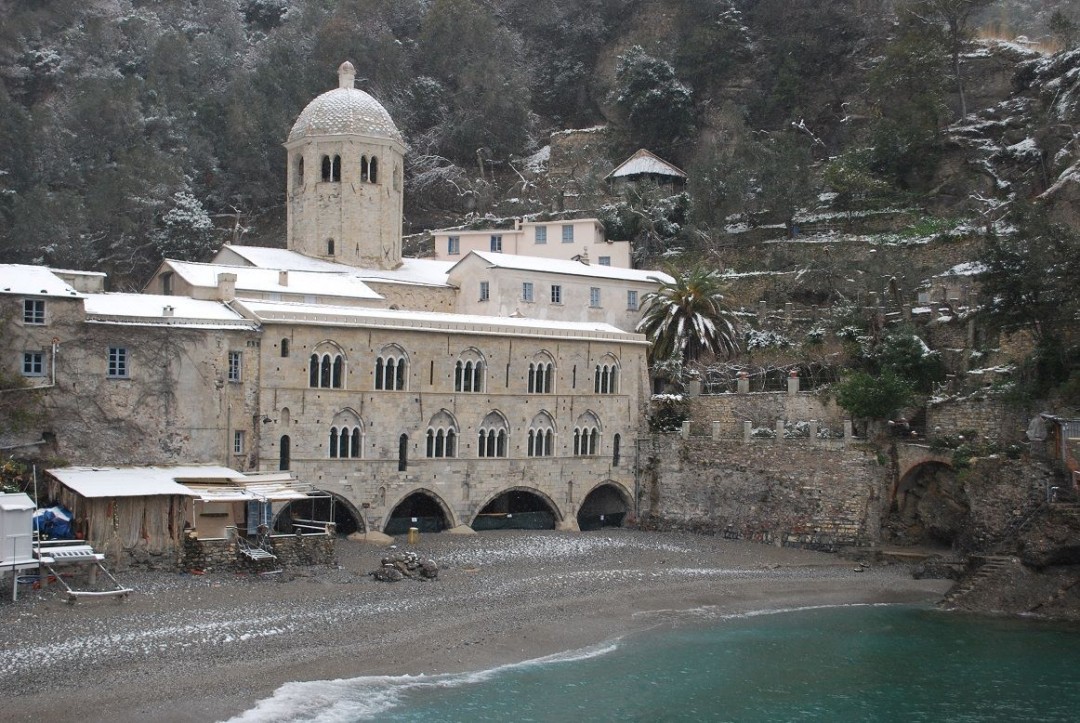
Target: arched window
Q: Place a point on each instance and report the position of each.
(326, 369)
(541, 441)
(606, 376)
(373, 170)
(363, 169)
(284, 452)
(403, 453)
(327, 168)
(329, 247)
(284, 348)
(587, 435)
(616, 443)
(391, 369)
(494, 436)
(346, 436)
(542, 374)
(469, 372)
(442, 436)
(337, 169)
(300, 171)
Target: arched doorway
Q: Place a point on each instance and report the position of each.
(420, 509)
(606, 506)
(929, 507)
(319, 507)
(517, 509)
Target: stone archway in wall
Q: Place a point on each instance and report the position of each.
(606, 505)
(347, 519)
(422, 509)
(929, 507)
(518, 508)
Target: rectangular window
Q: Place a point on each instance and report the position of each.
(33, 364)
(33, 311)
(496, 243)
(453, 245)
(541, 234)
(594, 296)
(568, 234)
(118, 363)
(526, 291)
(485, 291)
(605, 261)
(631, 300)
(556, 294)
(234, 366)
(238, 442)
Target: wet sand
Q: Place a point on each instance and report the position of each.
(195, 648)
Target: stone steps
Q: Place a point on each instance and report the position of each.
(990, 567)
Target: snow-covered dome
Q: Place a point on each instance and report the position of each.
(345, 111)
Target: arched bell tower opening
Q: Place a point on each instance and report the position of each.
(353, 195)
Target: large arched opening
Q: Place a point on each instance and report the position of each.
(421, 509)
(929, 507)
(319, 507)
(607, 505)
(518, 508)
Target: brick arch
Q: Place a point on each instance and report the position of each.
(447, 512)
(592, 505)
(544, 497)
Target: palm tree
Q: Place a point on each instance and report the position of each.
(687, 318)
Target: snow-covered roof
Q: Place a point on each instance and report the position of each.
(26, 280)
(645, 162)
(572, 268)
(969, 268)
(345, 111)
(264, 280)
(138, 481)
(427, 272)
(429, 321)
(155, 309)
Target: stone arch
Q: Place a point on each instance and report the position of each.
(927, 506)
(347, 519)
(518, 508)
(430, 511)
(607, 504)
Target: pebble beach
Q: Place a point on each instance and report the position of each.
(186, 647)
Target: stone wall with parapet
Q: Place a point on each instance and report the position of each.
(819, 494)
(983, 413)
(763, 409)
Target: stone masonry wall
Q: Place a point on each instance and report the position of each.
(291, 551)
(785, 492)
(983, 413)
(763, 409)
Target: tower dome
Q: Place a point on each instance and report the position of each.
(345, 110)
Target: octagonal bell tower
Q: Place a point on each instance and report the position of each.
(344, 196)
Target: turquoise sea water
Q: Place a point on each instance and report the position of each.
(858, 663)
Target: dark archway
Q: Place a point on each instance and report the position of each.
(422, 510)
(517, 509)
(929, 507)
(606, 506)
(320, 506)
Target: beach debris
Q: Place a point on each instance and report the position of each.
(406, 565)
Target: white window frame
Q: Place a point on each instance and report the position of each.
(556, 293)
(594, 297)
(541, 235)
(568, 233)
(496, 243)
(238, 441)
(453, 246)
(632, 300)
(34, 311)
(527, 291)
(33, 364)
(485, 291)
(605, 261)
(236, 365)
(117, 366)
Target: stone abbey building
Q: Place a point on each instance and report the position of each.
(405, 388)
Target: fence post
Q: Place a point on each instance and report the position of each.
(747, 430)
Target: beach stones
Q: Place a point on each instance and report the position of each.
(406, 565)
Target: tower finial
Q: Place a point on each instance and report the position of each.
(346, 75)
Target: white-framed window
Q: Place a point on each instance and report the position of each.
(118, 363)
(526, 291)
(453, 245)
(587, 435)
(485, 291)
(594, 296)
(542, 375)
(541, 442)
(606, 377)
(496, 243)
(541, 234)
(568, 233)
(33, 311)
(442, 436)
(605, 261)
(631, 300)
(391, 369)
(325, 369)
(556, 294)
(33, 364)
(235, 363)
(494, 436)
(346, 436)
(469, 372)
(238, 441)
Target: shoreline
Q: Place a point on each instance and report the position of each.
(209, 648)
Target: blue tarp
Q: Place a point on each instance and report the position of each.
(54, 522)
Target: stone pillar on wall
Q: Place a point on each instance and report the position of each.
(905, 312)
(789, 309)
(793, 382)
(813, 430)
(747, 430)
(693, 389)
(684, 430)
(761, 308)
(848, 433)
(742, 385)
(716, 429)
(779, 429)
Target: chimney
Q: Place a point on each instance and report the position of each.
(283, 278)
(167, 312)
(226, 287)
